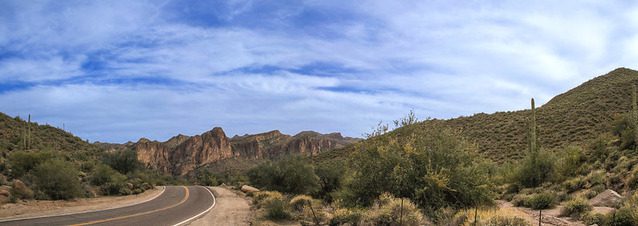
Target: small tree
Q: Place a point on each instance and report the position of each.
(540, 202)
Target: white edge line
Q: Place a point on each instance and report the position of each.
(202, 213)
(81, 212)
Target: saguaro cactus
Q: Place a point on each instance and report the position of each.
(634, 115)
(533, 146)
(29, 132)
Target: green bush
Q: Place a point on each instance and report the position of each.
(205, 178)
(290, 175)
(541, 201)
(576, 208)
(104, 174)
(123, 161)
(22, 162)
(434, 168)
(591, 219)
(622, 217)
(506, 221)
(276, 209)
(330, 179)
(57, 179)
(535, 169)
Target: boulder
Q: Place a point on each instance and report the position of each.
(607, 198)
(248, 189)
(20, 190)
(5, 193)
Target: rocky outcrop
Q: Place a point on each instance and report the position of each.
(182, 154)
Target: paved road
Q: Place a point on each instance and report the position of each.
(176, 204)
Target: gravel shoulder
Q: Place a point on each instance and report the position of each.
(231, 209)
(39, 208)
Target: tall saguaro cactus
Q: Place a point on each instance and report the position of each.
(29, 132)
(634, 114)
(533, 146)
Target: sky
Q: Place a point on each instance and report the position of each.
(116, 71)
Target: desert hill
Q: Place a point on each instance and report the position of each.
(575, 117)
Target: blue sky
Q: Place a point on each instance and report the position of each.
(116, 71)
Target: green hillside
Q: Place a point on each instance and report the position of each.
(572, 118)
(575, 117)
(43, 137)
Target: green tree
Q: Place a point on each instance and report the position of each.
(123, 161)
(291, 175)
(330, 178)
(57, 179)
(432, 166)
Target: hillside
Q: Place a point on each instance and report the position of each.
(44, 137)
(573, 118)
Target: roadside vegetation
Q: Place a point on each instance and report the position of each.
(43, 162)
(427, 173)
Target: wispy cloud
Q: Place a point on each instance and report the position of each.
(120, 70)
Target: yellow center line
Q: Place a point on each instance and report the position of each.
(137, 214)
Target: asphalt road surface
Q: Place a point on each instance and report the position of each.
(176, 205)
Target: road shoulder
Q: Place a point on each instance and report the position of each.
(231, 209)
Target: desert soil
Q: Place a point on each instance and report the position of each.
(231, 209)
(550, 217)
(37, 208)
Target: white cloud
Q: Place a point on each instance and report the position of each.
(31, 70)
(442, 59)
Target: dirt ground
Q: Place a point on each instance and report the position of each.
(231, 209)
(550, 217)
(36, 208)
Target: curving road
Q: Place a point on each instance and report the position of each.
(177, 205)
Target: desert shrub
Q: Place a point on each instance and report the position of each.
(569, 163)
(298, 202)
(205, 178)
(260, 198)
(290, 175)
(387, 211)
(622, 217)
(506, 221)
(594, 218)
(123, 161)
(105, 174)
(342, 216)
(434, 168)
(520, 200)
(276, 209)
(535, 169)
(576, 208)
(540, 201)
(330, 179)
(22, 162)
(57, 179)
(624, 129)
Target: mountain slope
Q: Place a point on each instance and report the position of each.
(573, 118)
(182, 154)
(44, 137)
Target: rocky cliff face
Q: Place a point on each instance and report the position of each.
(182, 154)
